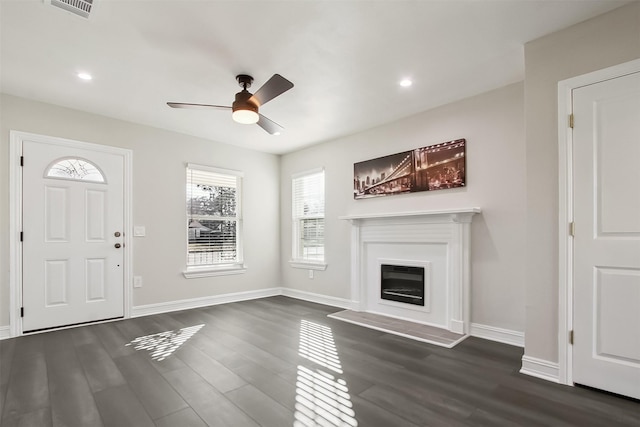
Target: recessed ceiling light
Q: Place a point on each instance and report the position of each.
(84, 76)
(405, 82)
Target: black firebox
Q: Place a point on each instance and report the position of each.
(402, 283)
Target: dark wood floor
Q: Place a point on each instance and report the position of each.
(278, 362)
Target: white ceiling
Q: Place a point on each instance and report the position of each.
(344, 57)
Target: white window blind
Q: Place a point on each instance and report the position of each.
(308, 216)
(213, 216)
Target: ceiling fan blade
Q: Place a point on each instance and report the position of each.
(275, 86)
(269, 125)
(193, 106)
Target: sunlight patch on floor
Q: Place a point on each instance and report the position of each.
(163, 344)
(316, 345)
(322, 399)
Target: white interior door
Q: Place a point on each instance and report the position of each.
(606, 185)
(73, 216)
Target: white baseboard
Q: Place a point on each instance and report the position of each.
(492, 333)
(318, 298)
(5, 332)
(540, 368)
(166, 307)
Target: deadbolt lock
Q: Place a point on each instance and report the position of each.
(117, 234)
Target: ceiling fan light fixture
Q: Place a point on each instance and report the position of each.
(246, 117)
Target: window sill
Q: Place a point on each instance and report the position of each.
(308, 265)
(210, 271)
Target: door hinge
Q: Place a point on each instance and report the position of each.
(572, 229)
(21, 160)
(571, 121)
(571, 337)
(21, 311)
(21, 236)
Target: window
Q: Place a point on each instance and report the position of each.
(308, 219)
(75, 169)
(214, 222)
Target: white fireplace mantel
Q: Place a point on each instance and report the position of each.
(438, 238)
(454, 215)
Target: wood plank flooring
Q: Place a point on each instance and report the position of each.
(278, 362)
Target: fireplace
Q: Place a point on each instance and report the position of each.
(402, 284)
(437, 241)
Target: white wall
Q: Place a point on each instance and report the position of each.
(159, 159)
(604, 41)
(493, 125)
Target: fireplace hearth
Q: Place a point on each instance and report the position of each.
(402, 284)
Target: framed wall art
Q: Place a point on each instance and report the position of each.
(435, 167)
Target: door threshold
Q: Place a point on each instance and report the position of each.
(72, 325)
(610, 393)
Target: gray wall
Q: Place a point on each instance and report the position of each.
(493, 124)
(159, 159)
(607, 40)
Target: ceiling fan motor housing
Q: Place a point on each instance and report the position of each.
(242, 102)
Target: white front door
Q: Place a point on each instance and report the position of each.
(606, 186)
(73, 218)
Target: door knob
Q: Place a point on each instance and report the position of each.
(117, 245)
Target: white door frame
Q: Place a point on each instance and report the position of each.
(565, 207)
(16, 139)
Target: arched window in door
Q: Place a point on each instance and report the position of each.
(75, 169)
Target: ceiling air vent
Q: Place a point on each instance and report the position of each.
(78, 7)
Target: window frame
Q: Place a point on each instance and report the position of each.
(224, 268)
(59, 161)
(297, 261)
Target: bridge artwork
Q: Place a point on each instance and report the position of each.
(435, 167)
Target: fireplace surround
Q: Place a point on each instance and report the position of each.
(436, 241)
